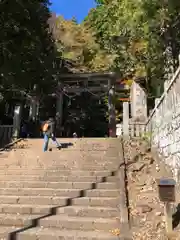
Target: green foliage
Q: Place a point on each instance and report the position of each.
(144, 36)
(78, 44)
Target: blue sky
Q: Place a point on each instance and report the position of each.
(72, 8)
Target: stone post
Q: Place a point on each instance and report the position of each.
(157, 101)
(167, 99)
(166, 84)
(138, 100)
(126, 119)
(155, 130)
(149, 126)
(150, 111)
(111, 108)
(17, 121)
(59, 112)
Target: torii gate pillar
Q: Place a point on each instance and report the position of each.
(59, 113)
(111, 107)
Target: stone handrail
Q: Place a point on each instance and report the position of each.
(166, 90)
(164, 124)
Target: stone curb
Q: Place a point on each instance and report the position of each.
(11, 144)
(123, 209)
(125, 233)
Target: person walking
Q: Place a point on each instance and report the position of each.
(48, 129)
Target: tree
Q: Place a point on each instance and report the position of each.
(79, 45)
(144, 36)
(27, 49)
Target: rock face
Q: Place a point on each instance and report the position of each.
(66, 194)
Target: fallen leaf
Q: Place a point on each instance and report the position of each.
(115, 232)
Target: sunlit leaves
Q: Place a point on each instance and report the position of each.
(143, 31)
(77, 43)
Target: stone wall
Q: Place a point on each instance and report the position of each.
(164, 123)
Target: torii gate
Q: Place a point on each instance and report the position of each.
(77, 83)
(93, 83)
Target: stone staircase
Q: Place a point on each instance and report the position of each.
(67, 194)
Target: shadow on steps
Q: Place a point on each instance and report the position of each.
(53, 210)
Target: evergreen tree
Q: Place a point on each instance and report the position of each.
(27, 49)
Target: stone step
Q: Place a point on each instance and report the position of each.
(107, 185)
(25, 209)
(55, 173)
(56, 179)
(69, 193)
(69, 167)
(58, 163)
(59, 201)
(96, 201)
(100, 167)
(17, 220)
(86, 211)
(58, 160)
(56, 234)
(56, 185)
(62, 169)
(39, 200)
(102, 193)
(79, 223)
(112, 179)
(75, 159)
(40, 184)
(6, 230)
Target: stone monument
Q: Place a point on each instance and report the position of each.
(138, 100)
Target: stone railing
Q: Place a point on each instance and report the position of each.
(164, 122)
(134, 129)
(137, 129)
(6, 132)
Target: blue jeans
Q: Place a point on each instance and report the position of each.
(46, 142)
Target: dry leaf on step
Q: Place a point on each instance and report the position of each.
(115, 232)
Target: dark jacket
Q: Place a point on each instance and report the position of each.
(51, 128)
